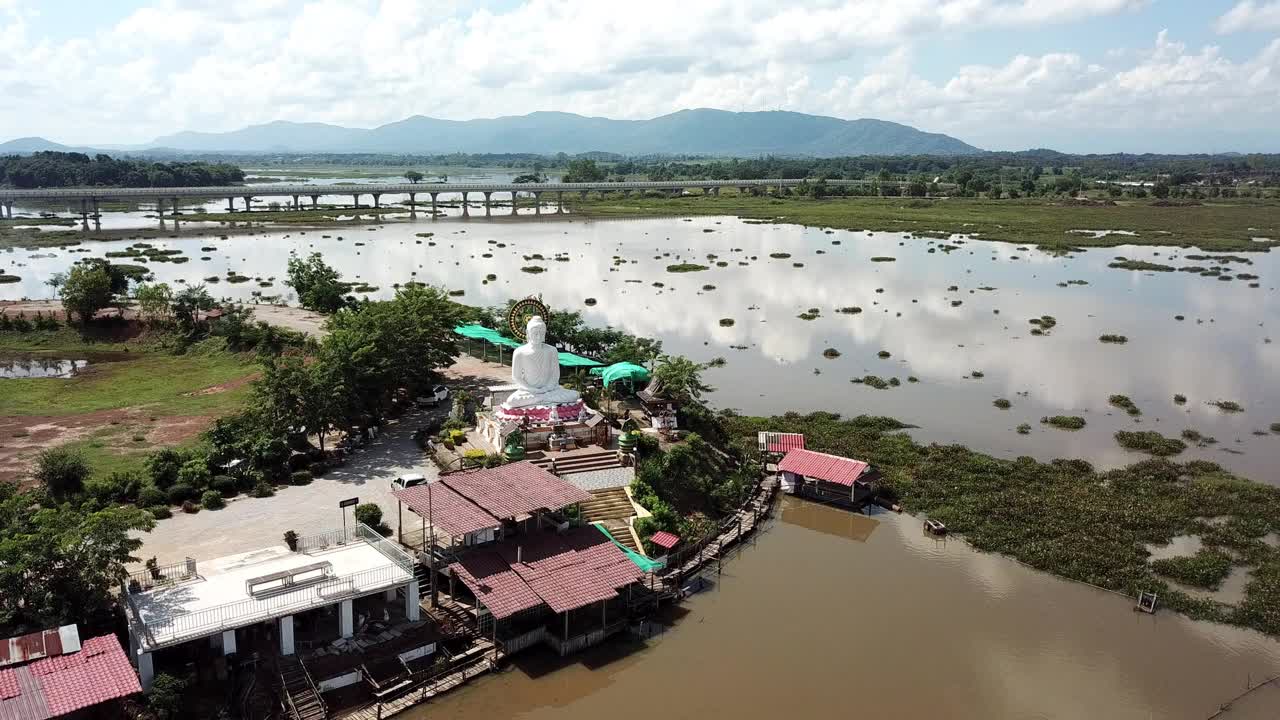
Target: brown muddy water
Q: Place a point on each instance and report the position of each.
(831, 614)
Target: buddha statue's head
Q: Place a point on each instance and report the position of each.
(536, 331)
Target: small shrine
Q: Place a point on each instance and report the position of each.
(534, 404)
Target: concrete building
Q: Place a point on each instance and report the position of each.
(217, 601)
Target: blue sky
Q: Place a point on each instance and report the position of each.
(1077, 75)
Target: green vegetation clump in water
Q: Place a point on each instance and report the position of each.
(1002, 403)
(850, 310)
(1065, 516)
(1230, 406)
(1024, 429)
(810, 314)
(831, 353)
(1124, 403)
(1206, 569)
(1275, 427)
(9, 279)
(533, 269)
(874, 381)
(1210, 225)
(1122, 263)
(1065, 422)
(1150, 442)
(1179, 399)
(686, 267)
(883, 258)
(779, 255)
(1115, 339)
(726, 322)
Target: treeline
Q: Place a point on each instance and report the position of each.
(62, 169)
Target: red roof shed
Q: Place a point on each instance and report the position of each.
(821, 466)
(60, 684)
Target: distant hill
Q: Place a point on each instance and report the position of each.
(22, 146)
(702, 131)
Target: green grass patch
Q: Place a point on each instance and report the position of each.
(1125, 403)
(686, 268)
(1206, 569)
(1210, 225)
(1064, 422)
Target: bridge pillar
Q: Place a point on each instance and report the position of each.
(84, 214)
(231, 205)
(175, 206)
(537, 203)
(248, 203)
(433, 205)
(582, 194)
(486, 202)
(377, 199)
(559, 202)
(355, 201)
(716, 191)
(413, 205)
(515, 202)
(315, 201)
(295, 202)
(466, 212)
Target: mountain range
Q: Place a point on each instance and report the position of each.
(700, 131)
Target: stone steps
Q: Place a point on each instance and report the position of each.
(610, 504)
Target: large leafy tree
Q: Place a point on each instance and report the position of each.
(319, 286)
(154, 301)
(681, 378)
(60, 564)
(87, 290)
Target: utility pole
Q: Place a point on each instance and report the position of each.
(431, 547)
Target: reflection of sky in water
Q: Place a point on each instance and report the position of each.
(1217, 352)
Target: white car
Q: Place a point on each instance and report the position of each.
(408, 481)
(438, 394)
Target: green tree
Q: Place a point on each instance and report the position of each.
(413, 176)
(681, 378)
(298, 394)
(62, 471)
(86, 291)
(154, 301)
(318, 285)
(188, 305)
(1160, 189)
(61, 564)
(583, 170)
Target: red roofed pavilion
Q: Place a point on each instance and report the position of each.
(825, 477)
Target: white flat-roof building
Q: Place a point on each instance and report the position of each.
(185, 602)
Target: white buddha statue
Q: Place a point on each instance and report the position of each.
(535, 368)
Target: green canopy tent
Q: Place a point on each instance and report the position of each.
(621, 371)
(493, 337)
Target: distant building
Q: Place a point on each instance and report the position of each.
(51, 674)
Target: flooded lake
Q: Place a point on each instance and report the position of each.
(952, 314)
(834, 615)
(36, 366)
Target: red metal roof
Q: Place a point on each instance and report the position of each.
(515, 489)
(564, 572)
(36, 645)
(444, 508)
(56, 686)
(664, 539)
(780, 443)
(821, 466)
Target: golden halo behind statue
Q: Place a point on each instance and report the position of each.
(520, 312)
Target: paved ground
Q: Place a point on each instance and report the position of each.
(251, 523)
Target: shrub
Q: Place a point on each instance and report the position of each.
(163, 466)
(263, 489)
(212, 500)
(195, 473)
(369, 514)
(458, 436)
(166, 698)
(179, 494)
(62, 470)
(473, 457)
(224, 484)
(160, 512)
(151, 495)
(189, 507)
(300, 477)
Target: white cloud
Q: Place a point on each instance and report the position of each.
(203, 65)
(1250, 15)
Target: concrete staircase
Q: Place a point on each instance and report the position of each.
(578, 462)
(301, 697)
(609, 504)
(621, 532)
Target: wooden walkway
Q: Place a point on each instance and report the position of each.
(479, 660)
(734, 529)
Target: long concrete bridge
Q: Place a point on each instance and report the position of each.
(90, 197)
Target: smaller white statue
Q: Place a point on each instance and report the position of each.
(535, 368)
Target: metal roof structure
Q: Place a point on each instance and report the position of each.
(471, 500)
(779, 443)
(664, 539)
(33, 646)
(96, 672)
(563, 572)
(821, 466)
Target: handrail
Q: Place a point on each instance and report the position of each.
(147, 578)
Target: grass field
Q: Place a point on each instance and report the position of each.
(139, 397)
(1222, 225)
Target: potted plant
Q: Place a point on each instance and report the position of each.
(291, 539)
